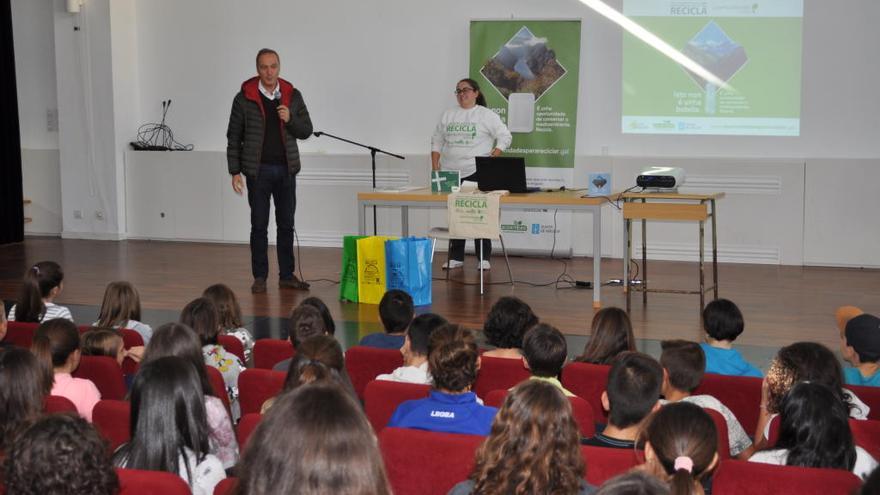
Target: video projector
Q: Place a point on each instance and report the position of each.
(661, 178)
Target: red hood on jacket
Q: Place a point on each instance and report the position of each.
(251, 90)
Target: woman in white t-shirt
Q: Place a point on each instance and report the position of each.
(815, 432)
(40, 286)
(465, 132)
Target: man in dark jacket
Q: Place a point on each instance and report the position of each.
(268, 116)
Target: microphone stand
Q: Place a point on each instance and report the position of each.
(373, 151)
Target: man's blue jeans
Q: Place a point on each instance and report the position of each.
(272, 182)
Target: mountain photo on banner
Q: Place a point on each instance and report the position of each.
(525, 64)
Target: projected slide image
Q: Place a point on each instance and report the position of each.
(752, 49)
(715, 51)
(525, 64)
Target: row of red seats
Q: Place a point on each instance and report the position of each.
(428, 463)
(741, 394)
(407, 452)
(22, 335)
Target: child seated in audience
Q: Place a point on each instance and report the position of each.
(315, 439)
(815, 432)
(804, 361)
(305, 321)
(533, 447)
(544, 354)
(201, 315)
(108, 342)
(169, 428)
(681, 447)
(415, 351)
(24, 383)
(56, 345)
(60, 453)
(105, 342)
(632, 393)
(121, 308)
(505, 325)
(42, 283)
(175, 339)
(329, 324)
(317, 358)
(683, 363)
(229, 314)
(860, 346)
(610, 334)
(453, 361)
(723, 323)
(396, 312)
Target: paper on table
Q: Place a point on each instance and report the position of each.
(466, 186)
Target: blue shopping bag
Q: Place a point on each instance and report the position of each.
(408, 267)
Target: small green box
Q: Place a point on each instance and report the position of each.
(445, 180)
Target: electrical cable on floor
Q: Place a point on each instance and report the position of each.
(298, 262)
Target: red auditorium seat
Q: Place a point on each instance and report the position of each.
(105, 373)
(138, 482)
(588, 381)
(866, 434)
(57, 404)
(246, 427)
(741, 394)
(604, 463)
(583, 413)
(423, 462)
(130, 338)
(257, 385)
(499, 374)
(364, 364)
(112, 418)
(269, 352)
(218, 385)
(871, 397)
(232, 345)
(755, 478)
(773, 431)
(723, 437)
(226, 486)
(426, 463)
(382, 397)
(20, 334)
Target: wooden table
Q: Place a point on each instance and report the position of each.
(668, 207)
(561, 200)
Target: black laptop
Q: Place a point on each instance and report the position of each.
(502, 173)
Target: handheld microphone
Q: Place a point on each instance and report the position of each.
(318, 134)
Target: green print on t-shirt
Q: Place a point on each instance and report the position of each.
(461, 133)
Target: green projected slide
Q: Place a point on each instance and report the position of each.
(752, 46)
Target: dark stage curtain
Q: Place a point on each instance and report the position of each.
(11, 208)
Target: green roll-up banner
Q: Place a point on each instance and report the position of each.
(528, 71)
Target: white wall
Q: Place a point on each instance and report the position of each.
(381, 72)
(34, 40)
(87, 131)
